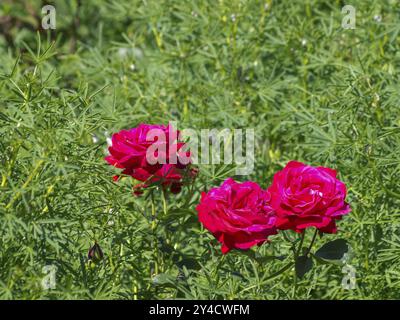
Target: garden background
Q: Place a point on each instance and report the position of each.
(312, 90)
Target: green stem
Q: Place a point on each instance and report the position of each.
(154, 232)
(301, 243)
(3, 181)
(270, 277)
(279, 272)
(165, 207)
(296, 255)
(30, 177)
(167, 234)
(285, 236)
(312, 242)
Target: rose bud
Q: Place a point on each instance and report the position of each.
(95, 253)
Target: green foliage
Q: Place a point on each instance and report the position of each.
(334, 250)
(313, 92)
(303, 265)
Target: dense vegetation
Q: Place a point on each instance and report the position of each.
(312, 90)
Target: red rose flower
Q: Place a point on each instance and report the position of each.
(237, 214)
(303, 196)
(150, 154)
(168, 176)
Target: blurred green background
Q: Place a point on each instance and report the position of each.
(312, 90)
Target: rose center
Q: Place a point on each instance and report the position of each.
(319, 193)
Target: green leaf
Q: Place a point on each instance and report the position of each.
(303, 265)
(164, 279)
(189, 263)
(333, 250)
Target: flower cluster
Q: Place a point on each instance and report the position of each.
(239, 214)
(151, 154)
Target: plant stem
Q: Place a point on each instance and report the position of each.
(165, 207)
(167, 234)
(279, 272)
(3, 181)
(270, 277)
(285, 236)
(301, 243)
(312, 242)
(154, 232)
(296, 255)
(30, 177)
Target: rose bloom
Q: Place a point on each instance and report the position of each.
(168, 176)
(304, 196)
(129, 151)
(237, 214)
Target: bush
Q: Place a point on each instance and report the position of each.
(312, 91)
